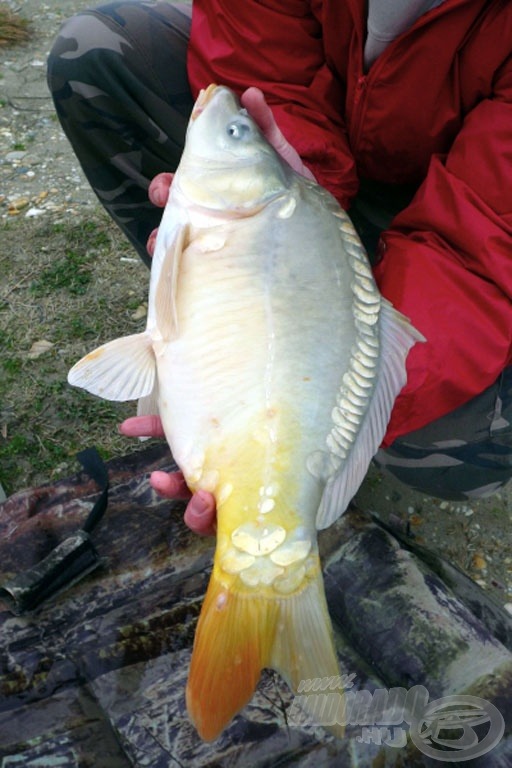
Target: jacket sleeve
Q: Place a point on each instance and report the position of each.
(277, 46)
(447, 264)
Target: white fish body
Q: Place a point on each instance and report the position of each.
(274, 363)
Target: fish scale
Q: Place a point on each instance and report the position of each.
(274, 364)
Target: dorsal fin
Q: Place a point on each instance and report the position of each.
(375, 375)
(397, 336)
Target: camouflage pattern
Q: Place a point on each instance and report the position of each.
(118, 79)
(95, 677)
(464, 455)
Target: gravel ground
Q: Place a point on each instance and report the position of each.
(40, 178)
(39, 174)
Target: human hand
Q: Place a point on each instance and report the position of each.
(200, 514)
(254, 102)
(158, 192)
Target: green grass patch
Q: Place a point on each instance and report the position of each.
(71, 272)
(66, 285)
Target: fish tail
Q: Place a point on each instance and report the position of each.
(241, 632)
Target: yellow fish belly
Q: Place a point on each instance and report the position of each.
(265, 605)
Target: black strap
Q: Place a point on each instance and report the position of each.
(71, 560)
(95, 467)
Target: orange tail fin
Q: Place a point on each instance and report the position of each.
(239, 633)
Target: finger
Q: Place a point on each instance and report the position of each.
(150, 245)
(200, 514)
(158, 190)
(142, 426)
(254, 101)
(169, 484)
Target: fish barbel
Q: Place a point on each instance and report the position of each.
(274, 363)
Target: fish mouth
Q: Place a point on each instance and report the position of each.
(205, 94)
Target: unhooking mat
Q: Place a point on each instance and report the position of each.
(95, 675)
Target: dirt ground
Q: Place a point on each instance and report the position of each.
(70, 281)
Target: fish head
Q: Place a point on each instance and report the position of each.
(227, 163)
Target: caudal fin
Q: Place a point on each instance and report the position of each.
(240, 633)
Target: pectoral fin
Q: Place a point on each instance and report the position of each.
(148, 405)
(123, 369)
(166, 308)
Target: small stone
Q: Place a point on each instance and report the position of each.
(15, 206)
(140, 312)
(15, 156)
(478, 562)
(444, 505)
(38, 348)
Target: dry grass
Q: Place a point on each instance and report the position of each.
(13, 28)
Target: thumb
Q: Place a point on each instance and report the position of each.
(254, 101)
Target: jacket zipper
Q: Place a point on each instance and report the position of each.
(363, 81)
(358, 111)
(360, 87)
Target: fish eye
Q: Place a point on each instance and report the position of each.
(238, 129)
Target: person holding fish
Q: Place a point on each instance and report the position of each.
(403, 112)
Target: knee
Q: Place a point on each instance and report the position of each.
(72, 38)
(77, 50)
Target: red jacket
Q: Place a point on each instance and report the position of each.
(435, 111)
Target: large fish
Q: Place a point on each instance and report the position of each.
(274, 363)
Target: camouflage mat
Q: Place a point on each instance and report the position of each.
(96, 675)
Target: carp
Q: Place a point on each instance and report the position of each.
(274, 363)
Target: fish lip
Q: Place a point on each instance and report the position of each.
(205, 95)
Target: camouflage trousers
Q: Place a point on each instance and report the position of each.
(118, 78)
